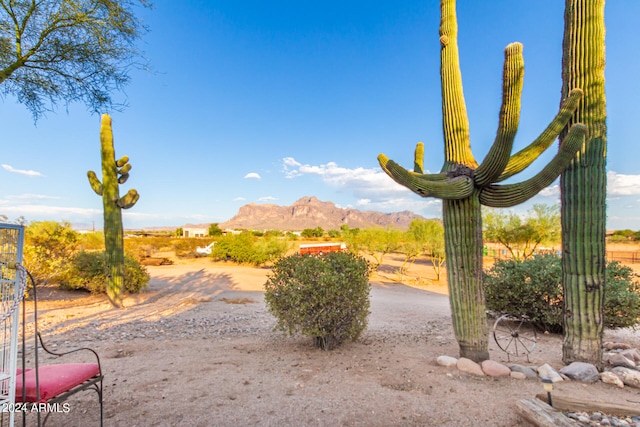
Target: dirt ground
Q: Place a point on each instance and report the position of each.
(198, 349)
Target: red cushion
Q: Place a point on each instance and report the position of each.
(54, 380)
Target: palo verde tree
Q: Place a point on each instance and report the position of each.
(464, 185)
(70, 50)
(523, 236)
(583, 185)
(114, 173)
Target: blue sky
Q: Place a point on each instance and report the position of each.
(267, 102)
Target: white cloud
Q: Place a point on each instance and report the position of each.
(365, 183)
(363, 202)
(267, 199)
(622, 185)
(252, 175)
(21, 171)
(551, 191)
(239, 199)
(32, 197)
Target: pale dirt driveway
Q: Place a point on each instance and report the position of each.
(198, 349)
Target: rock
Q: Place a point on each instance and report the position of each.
(526, 370)
(632, 354)
(469, 366)
(619, 359)
(447, 361)
(518, 375)
(546, 371)
(494, 369)
(616, 346)
(629, 377)
(611, 378)
(580, 371)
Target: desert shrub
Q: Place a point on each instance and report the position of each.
(185, 247)
(89, 271)
(533, 288)
(323, 297)
(621, 297)
(529, 288)
(49, 247)
(245, 248)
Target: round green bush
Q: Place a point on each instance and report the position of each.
(533, 288)
(89, 271)
(323, 297)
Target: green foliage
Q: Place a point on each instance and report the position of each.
(214, 230)
(621, 297)
(375, 242)
(245, 248)
(49, 247)
(185, 247)
(72, 50)
(533, 288)
(334, 234)
(179, 232)
(89, 271)
(427, 237)
(529, 288)
(312, 232)
(323, 297)
(521, 236)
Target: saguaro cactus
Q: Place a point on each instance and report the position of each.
(584, 185)
(114, 173)
(464, 185)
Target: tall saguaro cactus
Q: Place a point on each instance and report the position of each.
(464, 185)
(583, 185)
(114, 173)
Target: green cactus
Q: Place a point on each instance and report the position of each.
(114, 173)
(464, 185)
(583, 186)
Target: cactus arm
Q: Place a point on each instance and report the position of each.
(455, 123)
(453, 188)
(123, 178)
(418, 156)
(505, 196)
(122, 161)
(500, 152)
(95, 183)
(128, 200)
(125, 169)
(523, 158)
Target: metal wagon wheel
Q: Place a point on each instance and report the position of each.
(515, 335)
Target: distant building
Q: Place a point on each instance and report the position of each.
(195, 232)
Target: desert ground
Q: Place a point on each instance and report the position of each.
(198, 349)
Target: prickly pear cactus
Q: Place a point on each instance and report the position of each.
(464, 185)
(114, 173)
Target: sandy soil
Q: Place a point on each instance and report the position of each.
(198, 349)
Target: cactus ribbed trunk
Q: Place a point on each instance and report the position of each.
(583, 186)
(113, 231)
(114, 173)
(463, 244)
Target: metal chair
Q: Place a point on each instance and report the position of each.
(45, 388)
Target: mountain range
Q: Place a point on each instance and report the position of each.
(309, 212)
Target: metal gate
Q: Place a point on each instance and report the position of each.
(12, 281)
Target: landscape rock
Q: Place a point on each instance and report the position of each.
(616, 346)
(517, 375)
(632, 354)
(618, 359)
(580, 371)
(447, 361)
(546, 371)
(494, 369)
(469, 366)
(528, 371)
(611, 378)
(629, 377)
